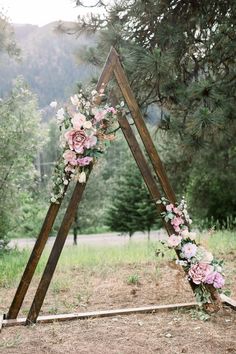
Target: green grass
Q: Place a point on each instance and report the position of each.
(12, 264)
(221, 242)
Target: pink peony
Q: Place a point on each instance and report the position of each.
(189, 250)
(216, 279)
(78, 120)
(174, 240)
(169, 207)
(199, 272)
(76, 140)
(70, 157)
(83, 161)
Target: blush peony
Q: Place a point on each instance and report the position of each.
(199, 272)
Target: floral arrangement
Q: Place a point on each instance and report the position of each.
(199, 264)
(85, 127)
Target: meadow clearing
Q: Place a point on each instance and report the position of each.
(135, 274)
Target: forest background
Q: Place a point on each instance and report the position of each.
(180, 60)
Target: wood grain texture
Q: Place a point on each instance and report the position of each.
(55, 253)
(33, 261)
(143, 131)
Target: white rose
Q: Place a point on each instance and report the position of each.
(75, 100)
(87, 124)
(82, 177)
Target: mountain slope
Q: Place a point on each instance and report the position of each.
(47, 63)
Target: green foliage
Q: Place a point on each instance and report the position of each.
(20, 140)
(133, 279)
(131, 208)
(184, 58)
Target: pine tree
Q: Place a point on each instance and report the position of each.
(131, 207)
(180, 55)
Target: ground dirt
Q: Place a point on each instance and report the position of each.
(128, 285)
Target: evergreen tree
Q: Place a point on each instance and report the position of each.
(180, 55)
(131, 207)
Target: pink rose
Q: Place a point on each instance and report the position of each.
(83, 161)
(216, 279)
(78, 120)
(199, 272)
(189, 250)
(70, 157)
(174, 240)
(169, 207)
(76, 140)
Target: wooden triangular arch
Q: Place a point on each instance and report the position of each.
(111, 67)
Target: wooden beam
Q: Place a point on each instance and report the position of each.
(142, 129)
(33, 261)
(228, 301)
(97, 314)
(55, 252)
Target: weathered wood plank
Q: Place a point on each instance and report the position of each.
(142, 129)
(55, 253)
(228, 301)
(97, 314)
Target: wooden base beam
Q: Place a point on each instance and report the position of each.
(228, 301)
(98, 314)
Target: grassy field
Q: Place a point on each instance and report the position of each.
(221, 243)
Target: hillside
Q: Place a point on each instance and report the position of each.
(47, 63)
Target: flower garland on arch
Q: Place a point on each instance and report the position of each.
(199, 264)
(86, 129)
